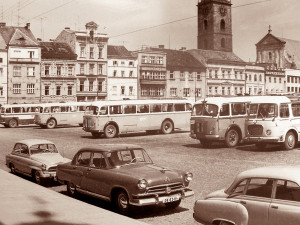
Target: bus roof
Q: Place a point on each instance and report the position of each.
(136, 102)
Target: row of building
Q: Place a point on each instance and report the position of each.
(82, 66)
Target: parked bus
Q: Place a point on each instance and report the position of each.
(56, 114)
(273, 119)
(220, 119)
(18, 114)
(115, 117)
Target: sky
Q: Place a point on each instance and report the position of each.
(135, 23)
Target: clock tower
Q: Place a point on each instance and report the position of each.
(214, 25)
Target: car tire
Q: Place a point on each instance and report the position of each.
(36, 175)
(110, 131)
(122, 202)
(167, 127)
(96, 134)
(71, 189)
(173, 205)
(51, 123)
(232, 138)
(290, 141)
(12, 123)
(12, 168)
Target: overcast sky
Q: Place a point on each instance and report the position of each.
(119, 17)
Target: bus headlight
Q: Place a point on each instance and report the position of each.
(268, 132)
(142, 184)
(188, 177)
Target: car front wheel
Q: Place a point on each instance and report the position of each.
(37, 177)
(71, 188)
(122, 202)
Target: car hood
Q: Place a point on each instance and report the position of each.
(217, 194)
(49, 158)
(152, 173)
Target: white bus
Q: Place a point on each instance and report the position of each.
(115, 117)
(18, 114)
(56, 114)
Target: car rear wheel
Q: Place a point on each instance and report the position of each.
(37, 177)
(290, 141)
(110, 131)
(51, 123)
(232, 138)
(167, 127)
(12, 168)
(12, 123)
(173, 205)
(122, 202)
(71, 188)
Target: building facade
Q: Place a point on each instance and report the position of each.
(91, 68)
(3, 72)
(23, 64)
(122, 81)
(58, 77)
(255, 79)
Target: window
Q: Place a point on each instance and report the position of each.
(186, 92)
(70, 91)
(182, 76)
(144, 59)
(47, 91)
(115, 63)
(171, 75)
(152, 59)
(99, 86)
(100, 53)
(152, 91)
(31, 54)
(199, 76)
(129, 109)
(91, 69)
(47, 70)
(98, 161)
(131, 63)
(115, 109)
(58, 70)
(270, 55)
(224, 111)
(287, 190)
(30, 88)
(191, 76)
(239, 189)
(155, 108)
(30, 71)
(143, 109)
(81, 68)
(83, 159)
(122, 73)
(91, 52)
(100, 69)
(296, 109)
(238, 109)
(284, 111)
(179, 107)
(58, 90)
(17, 88)
(160, 60)
(198, 92)
(1, 91)
(115, 73)
(81, 85)
(130, 90)
(70, 70)
(223, 42)
(17, 71)
(159, 92)
(222, 25)
(130, 73)
(122, 90)
(260, 187)
(91, 84)
(144, 92)
(82, 51)
(173, 92)
(168, 107)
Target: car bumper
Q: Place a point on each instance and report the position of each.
(206, 136)
(162, 199)
(263, 139)
(51, 175)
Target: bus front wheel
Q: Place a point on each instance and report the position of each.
(167, 127)
(12, 123)
(290, 141)
(110, 131)
(232, 138)
(51, 123)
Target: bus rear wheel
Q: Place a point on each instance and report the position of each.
(290, 141)
(232, 138)
(51, 123)
(12, 123)
(167, 127)
(110, 131)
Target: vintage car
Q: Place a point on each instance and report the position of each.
(36, 158)
(124, 175)
(264, 196)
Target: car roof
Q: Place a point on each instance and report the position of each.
(30, 142)
(291, 173)
(109, 147)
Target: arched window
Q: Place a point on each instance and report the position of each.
(223, 42)
(205, 24)
(270, 55)
(222, 25)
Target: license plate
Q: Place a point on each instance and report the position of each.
(170, 199)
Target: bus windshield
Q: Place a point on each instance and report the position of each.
(205, 110)
(267, 110)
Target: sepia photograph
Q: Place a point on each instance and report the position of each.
(169, 112)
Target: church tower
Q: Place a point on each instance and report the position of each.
(214, 25)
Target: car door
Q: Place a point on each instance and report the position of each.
(256, 199)
(21, 159)
(285, 206)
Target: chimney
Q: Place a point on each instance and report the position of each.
(27, 26)
(67, 28)
(2, 24)
(161, 46)
(39, 39)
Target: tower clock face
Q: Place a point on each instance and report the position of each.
(222, 11)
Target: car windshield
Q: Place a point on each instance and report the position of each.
(204, 109)
(43, 148)
(128, 156)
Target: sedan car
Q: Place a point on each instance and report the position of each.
(264, 196)
(36, 158)
(124, 175)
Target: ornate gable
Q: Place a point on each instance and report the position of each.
(21, 39)
(270, 39)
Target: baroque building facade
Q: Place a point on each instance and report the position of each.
(3, 72)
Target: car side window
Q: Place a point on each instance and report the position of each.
(83, 159)
(224, 110)
(239, 189)
(260, 187)
(287, 190)
(98, 161)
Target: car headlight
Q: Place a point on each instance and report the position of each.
(268, 132)
(188, 177)
(142, 184)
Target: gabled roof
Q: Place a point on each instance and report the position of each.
(57, 50)
(179, 58)
(114, 51)
(210, 56)
(18, 36)
(270, 39)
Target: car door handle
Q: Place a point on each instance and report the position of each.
(244, 202)
(274, 206)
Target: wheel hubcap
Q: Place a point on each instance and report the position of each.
(123, 202)
(291, 141)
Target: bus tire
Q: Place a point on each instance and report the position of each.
(290, 141)
(167, 127)
(110, 131)
(51, 123)
(12, 123)
(96, 134)
(232, 138)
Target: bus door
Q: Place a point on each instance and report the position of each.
(143, 117)
(225, 120)
(239, 115)
(130, 120)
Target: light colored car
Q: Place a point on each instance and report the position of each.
(36, 158)
(124, 175)
(262, 196)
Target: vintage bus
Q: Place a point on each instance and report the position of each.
(18, 114)
(273, 119)
(116, 117)
(56, 114)
(220, 119)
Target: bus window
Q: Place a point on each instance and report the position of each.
(296, 109)
(253, 110)
(179, 107)
(115, 109)
(103, 110)
(267, 110)
(81, 108)
(167, 107)
(129, 109)
(155, 108)
(8, 110)
(238, 109)
(143, 109)
(284, 111)
(205, 110)
(55, 109)
(224, 111)
(73, 108)
(189, 107)
(16, 109)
